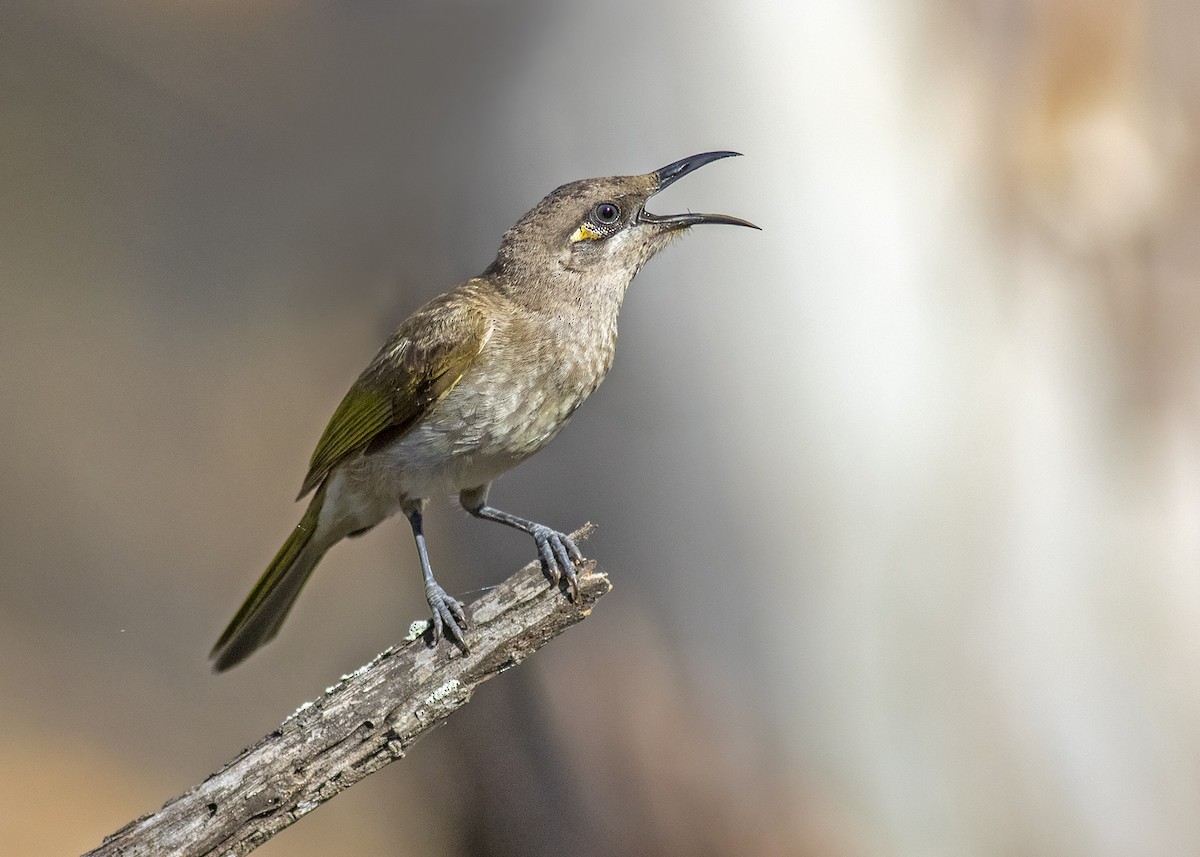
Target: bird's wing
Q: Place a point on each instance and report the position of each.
(415, 370)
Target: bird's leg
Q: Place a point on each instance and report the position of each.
(448, 613)
(557, 551)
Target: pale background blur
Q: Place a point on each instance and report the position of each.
(901, 496)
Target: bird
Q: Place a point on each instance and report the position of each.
(470, 385)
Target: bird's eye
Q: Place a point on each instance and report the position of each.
(607, 213)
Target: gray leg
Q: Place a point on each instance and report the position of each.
(557, 551)
(448, 613)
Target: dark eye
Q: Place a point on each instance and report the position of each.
(607, 213)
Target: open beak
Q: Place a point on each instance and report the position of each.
(670, 174)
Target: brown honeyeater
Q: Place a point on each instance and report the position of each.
(472, 384)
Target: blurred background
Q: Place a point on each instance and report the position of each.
(900, 496)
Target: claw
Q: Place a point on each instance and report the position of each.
(549, 562)
(573, 582)
(448, 616)
(559, 554)
(566, 563)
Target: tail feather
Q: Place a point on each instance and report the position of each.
(258, 619)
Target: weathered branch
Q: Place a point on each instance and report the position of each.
(365, 721)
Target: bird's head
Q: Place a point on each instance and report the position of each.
(600, 227)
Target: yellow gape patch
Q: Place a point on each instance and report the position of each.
(585, 233)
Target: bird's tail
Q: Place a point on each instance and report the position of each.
(264, 610)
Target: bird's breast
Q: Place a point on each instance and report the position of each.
(514, 400)
(528, 386)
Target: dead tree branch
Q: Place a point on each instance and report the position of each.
(365, 721)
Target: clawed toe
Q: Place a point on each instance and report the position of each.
(557, 551)
(449, 617)
(559, 554)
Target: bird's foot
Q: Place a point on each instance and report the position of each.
(559, 555)
(448, 616)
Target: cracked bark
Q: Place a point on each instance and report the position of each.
(363, 722)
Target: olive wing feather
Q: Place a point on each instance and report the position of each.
(417, 367)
